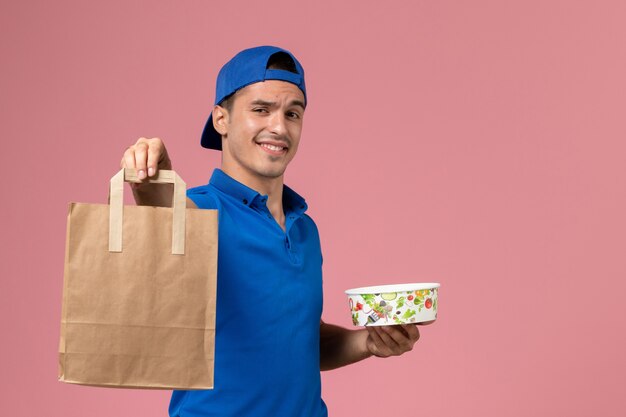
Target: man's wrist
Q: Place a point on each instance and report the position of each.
(365, 352)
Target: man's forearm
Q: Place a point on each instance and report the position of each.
(340, 347)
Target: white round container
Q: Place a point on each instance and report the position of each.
(386, 305)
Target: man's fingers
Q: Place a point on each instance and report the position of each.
(145, 156)
(128, 161)
(404, 337)
(412, 331)
(381, 348)
(154, 153)
(386, 336)
(392, 340)
(141, 159)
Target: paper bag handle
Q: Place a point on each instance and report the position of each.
(116, 207)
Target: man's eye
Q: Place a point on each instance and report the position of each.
(293, 115)
(260, 110)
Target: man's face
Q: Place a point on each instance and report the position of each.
(262, 130)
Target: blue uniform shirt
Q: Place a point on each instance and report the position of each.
(269, 305)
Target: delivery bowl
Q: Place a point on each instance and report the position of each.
(386, 305)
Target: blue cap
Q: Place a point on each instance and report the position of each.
(248, 67)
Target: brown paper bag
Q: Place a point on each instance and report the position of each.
(139, 293)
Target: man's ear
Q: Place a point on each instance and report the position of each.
(220, 120)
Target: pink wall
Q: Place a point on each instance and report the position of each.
(479, 144)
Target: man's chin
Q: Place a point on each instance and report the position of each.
(272, 173)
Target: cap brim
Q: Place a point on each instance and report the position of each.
(211, 139)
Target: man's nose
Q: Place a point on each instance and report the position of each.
(277, 123)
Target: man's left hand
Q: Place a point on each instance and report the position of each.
(385, 341)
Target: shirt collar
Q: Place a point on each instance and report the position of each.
(292, 201)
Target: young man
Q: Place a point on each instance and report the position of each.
(267, 359)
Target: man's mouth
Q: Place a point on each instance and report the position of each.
(273, 149)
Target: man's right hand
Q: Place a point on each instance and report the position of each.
(147, 156)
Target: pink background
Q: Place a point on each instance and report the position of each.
(478, 144)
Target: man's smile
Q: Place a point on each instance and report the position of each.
(273, 148)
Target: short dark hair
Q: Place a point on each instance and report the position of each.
(279, 60)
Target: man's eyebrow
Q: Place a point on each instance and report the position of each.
(298, 103)
(260, 102)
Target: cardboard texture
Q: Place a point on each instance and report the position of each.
(139, 293)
